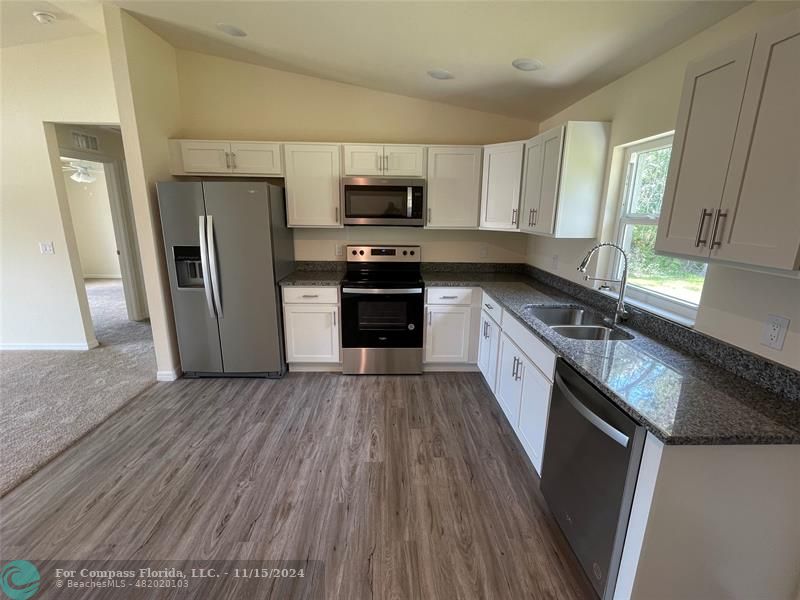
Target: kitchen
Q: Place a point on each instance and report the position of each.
(660, 442)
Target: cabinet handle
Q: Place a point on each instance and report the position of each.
(535, 216)
(233, 160)
(228, 160)
(447, 297)
(489, 306)
(715, 243)
(429, 215)
(530, 218)
(336, 208)
(378, 163)
(334, 318)
(310, 296)
(514, 369)
(385, 163)
(429, 317)
(485, 326)
(514, 216)
(703, 214)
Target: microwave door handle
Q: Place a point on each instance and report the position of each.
(587, 414)
(409, 201)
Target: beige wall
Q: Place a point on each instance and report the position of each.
(146, 83)
(735, 303)
(94, 230)
(41, 302)
(437, 246)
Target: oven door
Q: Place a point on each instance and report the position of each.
(382, 317)
(372, 201)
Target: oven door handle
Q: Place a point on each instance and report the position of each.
(381, 291)
(587, 414)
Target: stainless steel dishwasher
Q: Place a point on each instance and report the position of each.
(591, 462)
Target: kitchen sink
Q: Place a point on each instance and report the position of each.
(591, 332)
(565, 315)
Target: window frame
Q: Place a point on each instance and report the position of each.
(670, 307)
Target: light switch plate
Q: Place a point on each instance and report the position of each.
(774, 332)
(339, 251)
(47, 248)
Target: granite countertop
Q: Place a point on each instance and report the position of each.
(679, 398)
(313, 278)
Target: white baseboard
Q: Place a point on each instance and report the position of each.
(452, 368)
(25, 346)
(168, 375)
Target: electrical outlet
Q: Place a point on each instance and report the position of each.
(554, 264)
(47, 248)
(774, 332)
(339, 251)
(484, 251)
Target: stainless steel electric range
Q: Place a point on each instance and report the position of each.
(382, 310)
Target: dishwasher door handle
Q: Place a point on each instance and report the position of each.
(612, 432)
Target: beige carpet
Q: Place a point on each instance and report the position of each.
(49, 399)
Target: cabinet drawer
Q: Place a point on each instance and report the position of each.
(311, 295)
(541, 355)
(449, 295)
(491, 307)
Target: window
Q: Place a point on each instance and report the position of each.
(663, 283)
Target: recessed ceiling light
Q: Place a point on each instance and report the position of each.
(441, 74)
(527, 64)
(232, 30)
(45, 18)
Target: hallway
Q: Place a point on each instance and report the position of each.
(51, 398)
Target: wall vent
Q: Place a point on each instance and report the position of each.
(84, 141)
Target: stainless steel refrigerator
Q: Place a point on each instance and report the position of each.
(227, 246)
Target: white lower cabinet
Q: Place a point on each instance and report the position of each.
(533, 412)
(312, 333)
(488, 346)
(509, 384)
(447, 334)
(518, 369)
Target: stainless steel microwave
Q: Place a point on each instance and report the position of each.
(384, 201)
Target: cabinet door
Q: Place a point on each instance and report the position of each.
(502, 175)
(508, 389)
(707, 116)
(489, 342)
(312, 185)
(256, 158)
(454, 187)
(533, 412)
(408, 161)
(447, 334)
(363, 159)
(759, 223)
(552, 150)
(205, 157)
(312, 333)
(531, 183)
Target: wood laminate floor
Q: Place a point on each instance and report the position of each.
(403, 487)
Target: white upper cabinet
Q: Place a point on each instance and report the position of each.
(563, 180)
(378, 159)
(256, 158)
(226, 158)
(759, 220)
(454, 187)
(205, 157)
(500, 190)
(363, 159)
(312, 185)
(733, 188)
(709, 110)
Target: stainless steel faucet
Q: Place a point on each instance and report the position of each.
(621, 314)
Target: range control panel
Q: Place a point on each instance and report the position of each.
(383, 254)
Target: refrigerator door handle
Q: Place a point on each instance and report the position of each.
(204, 264)
(212, 263)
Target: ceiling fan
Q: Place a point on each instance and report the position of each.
(81, 171)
